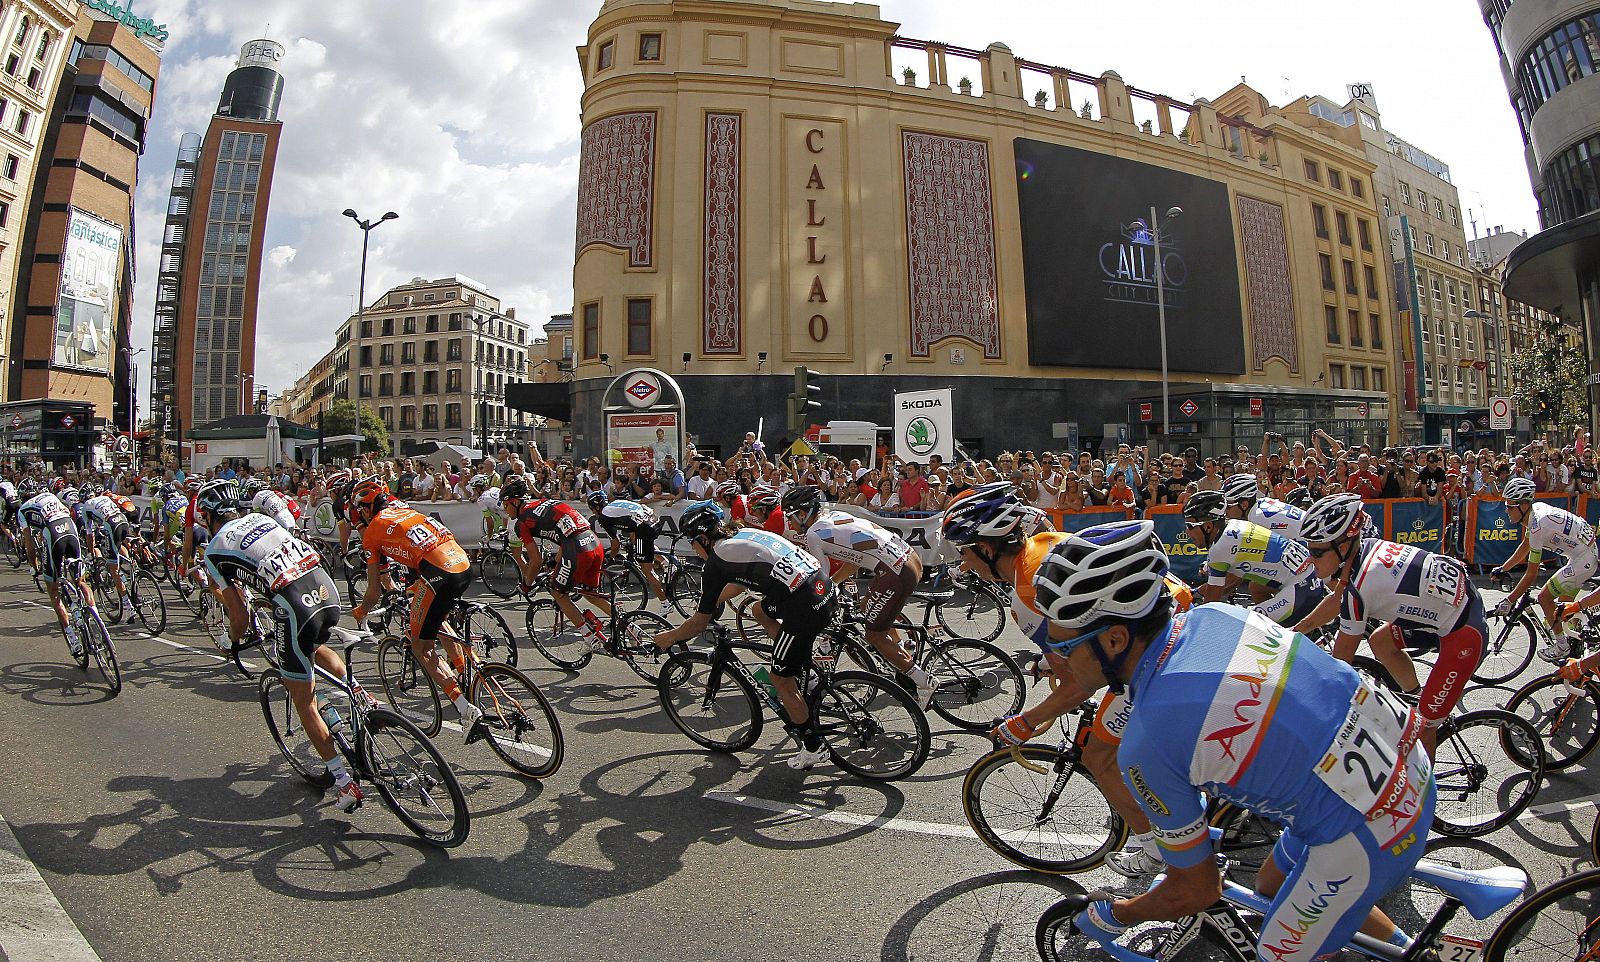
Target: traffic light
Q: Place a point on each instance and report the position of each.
(804, 399)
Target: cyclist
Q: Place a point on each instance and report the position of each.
(257, 496)
(54, 540)
(1230, 704)
(1422, 599)
(989, 525)
(1548, 528)
(797, 602)
(855, 544)
(10, 500)
(1243, 496)
(730, 495)
(581, 558)
(1282, 581)
(392, 531)
(255, 551)
(338, 485)
(195, 538)
(107, 530)
(622, 520)
(171, 503)
(488, 501)
(766, 511)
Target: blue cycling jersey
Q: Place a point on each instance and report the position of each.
(1228, 703)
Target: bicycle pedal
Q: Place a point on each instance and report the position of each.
(479, 732)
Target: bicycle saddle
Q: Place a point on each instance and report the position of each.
(1483, 892)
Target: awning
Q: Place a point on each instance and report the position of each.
(1543, 270)
(552, 399)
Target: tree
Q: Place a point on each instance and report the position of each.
(341, 419)
(1549, 377)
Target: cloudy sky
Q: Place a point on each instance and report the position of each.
(463, 118)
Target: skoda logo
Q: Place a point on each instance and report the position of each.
(922, 435)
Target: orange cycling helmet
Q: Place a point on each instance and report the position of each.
(367, 493)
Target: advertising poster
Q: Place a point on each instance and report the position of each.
(1090, 263)
(924, 425)
(90, 265)
(637, 439)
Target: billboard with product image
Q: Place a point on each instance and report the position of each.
(91, 263)
(639, 439)
(1089, 260)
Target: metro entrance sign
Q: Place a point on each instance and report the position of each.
(1189, 408)
(1499, 414)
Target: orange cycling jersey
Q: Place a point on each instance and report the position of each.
(1026, 611)
(413, 539)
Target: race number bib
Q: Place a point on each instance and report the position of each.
(566, 525)
(1442, 578)
(51, 511)
(292, 559)
(793, 569)
(1362, 764)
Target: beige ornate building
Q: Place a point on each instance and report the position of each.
(772, 183)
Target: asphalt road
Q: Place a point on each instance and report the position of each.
(170, 829)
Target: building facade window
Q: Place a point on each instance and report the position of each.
(1319, 218)
(1561, 57)
(452, 380)
(1336, 376)
(1405, 193)
(1369, 277)
(608, 52)
(430, 416)
(408, 383)
(1350, 277)
(386, 355)
(452, 350)
(1343, 220)
(1335, 179)
(386, 385)
(430, 382)
(430, 351)
(1331, 317)
(1358, 378)
(1375, 328)
(649, 48)
(408, 353)
(1313, 173)
(1379, 379)
(1354, 319)
(452, 415)
(1364, 231)
(1326, 262)
(639, 325)
(591, 331)
(1357, 189)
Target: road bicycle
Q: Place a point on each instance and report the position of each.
(1036, 805)
(496, 562)
(518, 723)
(11, 546)
(381, 747)
(1228, 924)
(1566, 716)
(144, 592)
(629, 636)
(964, 604)
(261, 633)
(85, 624)
(872, 728)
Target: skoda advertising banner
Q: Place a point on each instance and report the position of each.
(924, 425)
(90, 267)
(1090, 263)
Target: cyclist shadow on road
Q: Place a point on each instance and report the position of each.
(989, 917)
(53, 684)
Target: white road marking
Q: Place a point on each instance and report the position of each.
(843, 818)
(1559, 808)
(33, 925)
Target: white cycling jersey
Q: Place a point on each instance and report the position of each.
(271, 504)
(1279, 517)
(1256, 554)
(489, 501)
(256, 547)
(102, 510)
(840, 536)
(628, 514)
(1555, 529)
(44, 510)
(1403, 583)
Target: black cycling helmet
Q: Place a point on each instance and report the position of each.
(702, 519)
(597, 499)
(1204, 506)
(514, 489)
(1299, 497)
(802, 500)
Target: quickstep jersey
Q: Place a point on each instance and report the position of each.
(272, 505)
(1404, 584)
(1228, 703)
(102, 511)
(1278, 517)
(1256, 554)
(1555, 529)
(776, 568)
(45, 513)
(255, 550)
(841, 536)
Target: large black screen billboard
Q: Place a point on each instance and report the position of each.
(1090, 264)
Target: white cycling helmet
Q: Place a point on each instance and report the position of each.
(1113, 570)
(763, 496)
(1240, 487)
(478, 481)
(1518, 491)
(730, 489)
(1333, 518)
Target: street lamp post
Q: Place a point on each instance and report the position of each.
(1161, 311)
(480, 393)
(133, 389)
(361, 309)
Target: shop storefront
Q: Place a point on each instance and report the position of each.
(60, 433)
(1217, 418)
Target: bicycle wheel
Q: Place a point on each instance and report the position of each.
(976, 610)
(873, 729)
(556, 638)
(636, 642)
(1056, 821)
(188, 592)
(498, 572)
(710, 702)
(144, 592)
(1567, 718)
(414, 780)
(1560, 921)
(489, 634)
(1509, 651)
(283, 722)
(974, 683)
(409, 688)
(744, 623)
(520, 724)
(1481, 783)
(214, 621)
(98, 646)
(14, 551)
(853, 654)
(684, 588)
(627, 581)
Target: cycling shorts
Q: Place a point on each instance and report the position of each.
(886, 596)
(1293, 602)
(800, 622)
(56, 543)
(111, 539)
(1570, 579)
(433, 595)
(1330, 888)
(305, 610)
(644, 542)
(1460, 650)
(578, 565)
